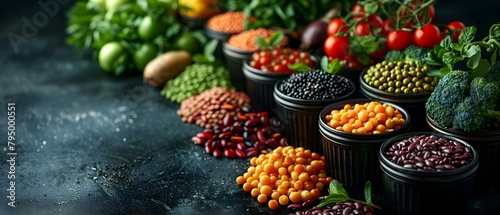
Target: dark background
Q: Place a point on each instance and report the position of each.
(72, 120)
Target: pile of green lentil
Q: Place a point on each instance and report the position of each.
(195, 79)
(400, 77)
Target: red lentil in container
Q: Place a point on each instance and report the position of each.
(228, 22)
(246, 39)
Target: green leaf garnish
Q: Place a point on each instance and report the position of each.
(299, 67)
(337, 193)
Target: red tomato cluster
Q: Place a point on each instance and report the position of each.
(277, 60)
(396, 37)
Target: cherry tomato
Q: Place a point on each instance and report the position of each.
(388, 25)
(336, 25)
(375, 23)
(427, 36)
(362, 29)
(336, 47)
(399, 40)
(455, 27)
(358, 12)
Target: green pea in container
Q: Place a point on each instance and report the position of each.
(414, 103)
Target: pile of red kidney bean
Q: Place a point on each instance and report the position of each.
(246, 134)
(429, 152)
(340, 208)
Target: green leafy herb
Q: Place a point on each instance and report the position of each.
(337, 193)
(208, 53)
(299, 67)
(447, 55)
(331, 67)
(274, 41)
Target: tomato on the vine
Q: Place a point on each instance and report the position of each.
(336, 47)
(427, 36)
(399, 40)
(388, 25)
(404, 12)
(375, 22)
(336, 25)
(362, 29)
(456, 27)
(358, 12)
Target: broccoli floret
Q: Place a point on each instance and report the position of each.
(484, 93)
(415, 53)
(468, 116)
(451, 90)
(394, 55)
(493, 73)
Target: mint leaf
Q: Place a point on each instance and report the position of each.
(333, 198)
(261, 43)
(299, 67)
(446, 42)
(467, 34)
(324, 63)
(276, 38)
(336, 188)
(368, 192)
(473, 61)
(472, 50)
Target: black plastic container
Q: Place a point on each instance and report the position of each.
(234, 58)
(414, 103)
(221, 37)
(350, 158)
(412, 192)
(487, 145)
(300, 117)
(260, 85)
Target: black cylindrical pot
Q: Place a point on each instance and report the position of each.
(412, 192)
(234, 58)
(350, 158)
(487, 145)
(414, 103)
(300, 117)
(260, 85)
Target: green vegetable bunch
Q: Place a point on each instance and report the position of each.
(125, 35)
(412, 53)
(467, 100)
(285, 14)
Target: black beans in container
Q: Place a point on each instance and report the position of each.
(315, 85)
(429, 153)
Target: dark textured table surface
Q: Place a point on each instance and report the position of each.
(89, 143)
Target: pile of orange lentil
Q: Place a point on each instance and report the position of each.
(246, 39)
(369, 118)
(227, 22)
(286, 174)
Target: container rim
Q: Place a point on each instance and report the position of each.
(414, 174)
(231, 48)
(280, 95)
(365, 86)
(330, 107)
(226, 34)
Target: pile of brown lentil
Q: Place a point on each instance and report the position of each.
(400, 77)
(246, 39)
(208, 108)
(228, 22)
